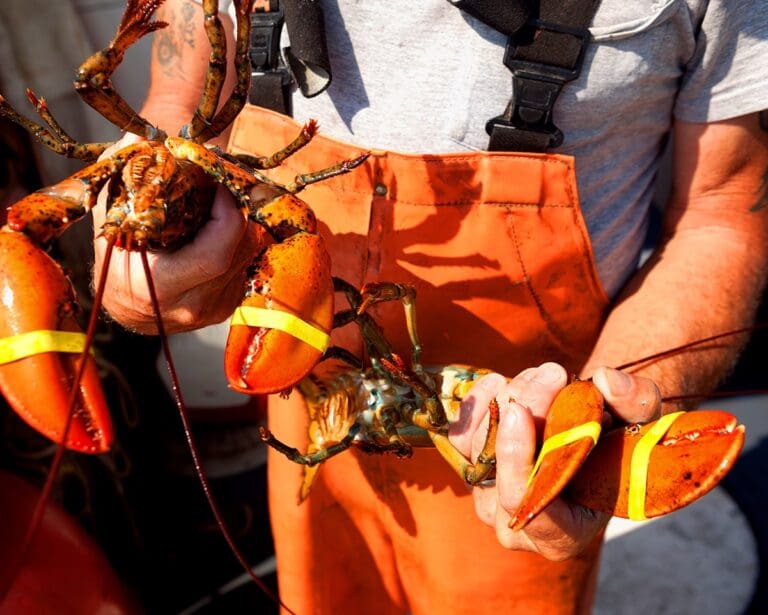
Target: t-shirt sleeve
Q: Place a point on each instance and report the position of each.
(727, 76)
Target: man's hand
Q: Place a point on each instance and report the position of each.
(563, 529)
(197, 285)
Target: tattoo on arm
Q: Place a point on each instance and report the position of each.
(170, 41)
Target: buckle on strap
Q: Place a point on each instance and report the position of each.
(270, 77)
(536, 85)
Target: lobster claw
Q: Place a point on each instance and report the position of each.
(571, 430)
(281, 329)
(634, 472)
(39, 343)
(683, 456)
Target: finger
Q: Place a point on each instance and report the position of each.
(473, 408)
(533, 388)
(536, 387)
(515, 450)
(633, 399)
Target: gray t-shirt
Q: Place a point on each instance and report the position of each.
(425, 77)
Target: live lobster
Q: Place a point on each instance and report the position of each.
(159, 193)
(632, 471)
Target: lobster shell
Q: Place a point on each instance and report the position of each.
(36, 295)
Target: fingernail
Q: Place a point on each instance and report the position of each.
(618, 382)
(547, 373)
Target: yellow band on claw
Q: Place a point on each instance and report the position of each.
(586, 430)
(37, 342)
(282, 321)
(638, 468)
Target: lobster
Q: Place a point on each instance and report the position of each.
(632, 471)
(159, 192)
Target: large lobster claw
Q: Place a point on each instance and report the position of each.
(282, 327)
(40, 349)
(634, 472)
(688, 455)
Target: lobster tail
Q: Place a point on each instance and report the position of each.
(42, 343)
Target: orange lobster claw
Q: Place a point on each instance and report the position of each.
(683, 463)
(634, 472)
(37, 302)
(282, 327)
(571, 429)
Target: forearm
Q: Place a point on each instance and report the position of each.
(709, 272)
(178, 64)
(667, 305)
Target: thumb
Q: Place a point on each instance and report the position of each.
(633, 399)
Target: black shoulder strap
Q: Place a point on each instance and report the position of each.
(544, 53)
(307, 56)
(502, 15)
(545, 49)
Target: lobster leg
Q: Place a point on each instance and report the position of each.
(313, 458)
(316, 456)
(472, 473)
(270, 162)
(93, 77)
(54, 139)
(305, 179)
(237, 97)
(214, 76)
(376, 292)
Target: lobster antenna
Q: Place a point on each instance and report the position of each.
(677, 349)
(713, 395)
(193, 447)
(45, 494)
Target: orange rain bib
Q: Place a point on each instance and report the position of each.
(497, 249)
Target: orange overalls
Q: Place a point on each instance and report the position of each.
(497, 249)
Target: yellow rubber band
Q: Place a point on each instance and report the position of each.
(638, 467)
(282, 321)
(586, 430)
(37, 342)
